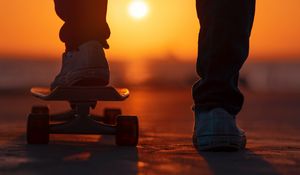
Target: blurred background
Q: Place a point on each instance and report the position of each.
(155, 45)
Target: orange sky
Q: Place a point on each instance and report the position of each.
(30, 28)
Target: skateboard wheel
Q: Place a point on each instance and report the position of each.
(38, 129)
(110, 115)
(127, 131)
(40, 110)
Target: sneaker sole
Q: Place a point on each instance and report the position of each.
(220, 143)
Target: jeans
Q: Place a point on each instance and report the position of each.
(222, 49)
(85, 20)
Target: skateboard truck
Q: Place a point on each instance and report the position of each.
(79, 120)
(82, 123)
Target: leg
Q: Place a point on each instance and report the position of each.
(85, 20)
(222, 50)
(84, 33)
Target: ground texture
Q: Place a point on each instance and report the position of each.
(272, 122)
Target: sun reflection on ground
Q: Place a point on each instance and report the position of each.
(78, 157)
(137, 72)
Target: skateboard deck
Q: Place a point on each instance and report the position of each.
(107, 93)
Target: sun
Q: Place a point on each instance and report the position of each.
(138, 9)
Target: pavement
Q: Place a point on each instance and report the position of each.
(272, 122)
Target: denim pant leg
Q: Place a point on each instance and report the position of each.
(222, 49)
(85, 20)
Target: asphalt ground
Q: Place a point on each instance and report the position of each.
(271, 120)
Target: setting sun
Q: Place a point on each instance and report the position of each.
(138, 9)
(142, 29)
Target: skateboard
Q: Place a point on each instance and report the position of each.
(78, 119)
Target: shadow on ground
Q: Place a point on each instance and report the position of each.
(241, 163)
(70, 157)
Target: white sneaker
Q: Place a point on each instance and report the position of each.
(85, 67)
(216, 130)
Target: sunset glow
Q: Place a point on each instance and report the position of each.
(142, 29)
